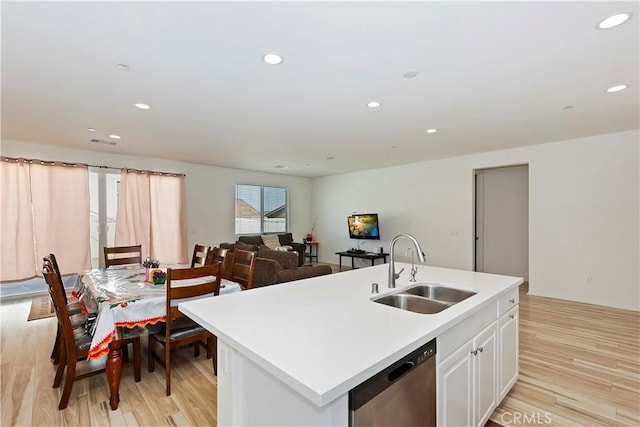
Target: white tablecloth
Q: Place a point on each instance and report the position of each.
(122, 298)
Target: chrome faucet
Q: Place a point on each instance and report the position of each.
(392, 270)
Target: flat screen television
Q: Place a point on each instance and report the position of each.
(364, 226)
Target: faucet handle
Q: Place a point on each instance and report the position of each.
(399, 273)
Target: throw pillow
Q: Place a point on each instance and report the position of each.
(271, 241)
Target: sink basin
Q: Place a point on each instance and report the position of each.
(440, 293)
(412, 303)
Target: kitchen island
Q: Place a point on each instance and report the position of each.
(289, 354)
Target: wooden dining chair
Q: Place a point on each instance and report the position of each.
(122, 255)
(76, 341)
(219, 255)
(74, 309)
(200, 256)
(243, 267)
(179, 330)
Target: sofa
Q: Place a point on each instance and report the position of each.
(274, 267)
(285, 239)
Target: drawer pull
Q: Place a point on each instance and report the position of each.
(480, 348)
(512, 316)
(474, 352)
(512, 300)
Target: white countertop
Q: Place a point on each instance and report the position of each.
(323, 336)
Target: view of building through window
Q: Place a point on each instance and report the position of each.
(261, 209)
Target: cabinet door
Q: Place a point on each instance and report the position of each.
(485, 356)
(454, 384)
(508, 352)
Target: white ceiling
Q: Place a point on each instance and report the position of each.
(492, 75)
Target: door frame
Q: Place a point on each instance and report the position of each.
(478, 202)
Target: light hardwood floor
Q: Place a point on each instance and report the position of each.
(579, 366)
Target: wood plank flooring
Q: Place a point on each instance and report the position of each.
(579, 366)
(28, 399)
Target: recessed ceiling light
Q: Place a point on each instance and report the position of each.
(614, 20)
(91, 129)
(617, 88)
(373, 104)
(281, 167)
(568, 107)
(330, 157)
(114, 136)
(272, 58)
(432, 130)
(410, 73)
(123, 67)
(142, 106)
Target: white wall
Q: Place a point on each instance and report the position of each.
(210, 190)
(583, 213)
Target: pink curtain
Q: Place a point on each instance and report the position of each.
(18, 259)
(168, 222)
(45, 209)
(134, 211)
(151, 213)
(60, 200)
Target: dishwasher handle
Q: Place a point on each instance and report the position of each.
(400, 371)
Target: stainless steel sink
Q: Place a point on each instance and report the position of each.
(426, 298)
(412, 303)
(440, 293)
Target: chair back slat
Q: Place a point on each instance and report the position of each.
(219, 255)
(122, 255)
(200, 256)
(243, 268)
(58, 297)
(51, 258)
(209, 286)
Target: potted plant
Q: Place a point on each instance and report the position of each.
(309, 237)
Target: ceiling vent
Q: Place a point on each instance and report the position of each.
(102, 141)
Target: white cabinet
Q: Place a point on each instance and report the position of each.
(507, 352)
(466, 382)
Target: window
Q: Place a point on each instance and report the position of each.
(104, 190)
(261, 210)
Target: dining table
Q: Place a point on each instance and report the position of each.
(122, 299)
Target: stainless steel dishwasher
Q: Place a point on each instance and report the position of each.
(403, 394)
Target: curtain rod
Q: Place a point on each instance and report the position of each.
(85, 165)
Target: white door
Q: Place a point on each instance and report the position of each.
(502, 221)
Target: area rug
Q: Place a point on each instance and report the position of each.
(41, 308)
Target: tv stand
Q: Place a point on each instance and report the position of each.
(356, 251)
(362, 255)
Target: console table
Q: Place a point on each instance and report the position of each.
(364, 255)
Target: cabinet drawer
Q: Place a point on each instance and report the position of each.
(508, 301)
(464, 331)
